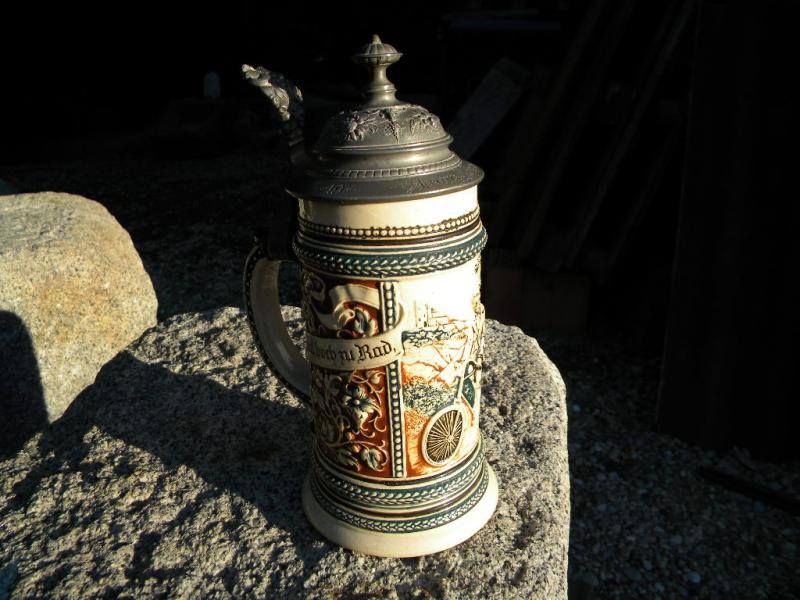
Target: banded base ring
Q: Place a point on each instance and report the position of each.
(402, 545)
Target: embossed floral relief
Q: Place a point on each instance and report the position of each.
(349, 406)
(439, 372)
(361, 124)
(329, 309)
(397, 122)
(423, 122)
(350, 418)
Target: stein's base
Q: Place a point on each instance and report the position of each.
(402, 545)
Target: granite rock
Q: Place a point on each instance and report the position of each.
(178, 474)
(73, 293)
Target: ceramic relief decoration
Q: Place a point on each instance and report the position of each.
(389, 238)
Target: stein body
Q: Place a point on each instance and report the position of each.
(390, 260)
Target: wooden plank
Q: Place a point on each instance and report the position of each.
(485, 108)
(527, 142)
(601, 263)
(662, 50)
(572, 126)
(555, 234)
(730, 356)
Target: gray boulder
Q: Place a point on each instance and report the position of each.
(178, 474)
(73, 293)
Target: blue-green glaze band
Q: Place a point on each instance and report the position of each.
(451, 484)
(391, 264)
(411, 525)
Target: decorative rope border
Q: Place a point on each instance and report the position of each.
(448, 163)
(394, 391)
(391, 265)
(405, 525)
(390, 231)
(366, 496)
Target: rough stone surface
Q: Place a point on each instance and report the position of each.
(638, 499)
(178, 474)
(73, 293)
(646, 522)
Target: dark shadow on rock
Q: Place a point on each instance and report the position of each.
(22, 407)
(255, 448)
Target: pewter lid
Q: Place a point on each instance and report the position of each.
(384, 149)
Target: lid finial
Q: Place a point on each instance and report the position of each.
(377, 57)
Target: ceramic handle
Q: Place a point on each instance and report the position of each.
(266, 322)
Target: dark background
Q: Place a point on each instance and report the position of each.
(689, 255)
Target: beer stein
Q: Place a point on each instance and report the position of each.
(388, 237)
